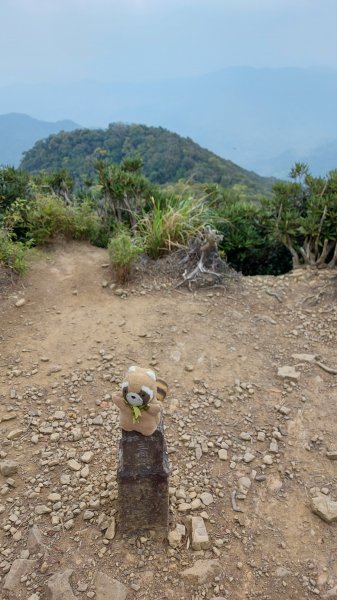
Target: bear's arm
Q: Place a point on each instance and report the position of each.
(154, 409)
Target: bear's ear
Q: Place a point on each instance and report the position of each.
(132, 369)
(151, 374)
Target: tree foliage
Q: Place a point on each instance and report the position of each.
(166, 156)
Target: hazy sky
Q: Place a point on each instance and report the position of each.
(141, 40)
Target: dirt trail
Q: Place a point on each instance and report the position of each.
(63, 354)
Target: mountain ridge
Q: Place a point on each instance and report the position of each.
(18, 133)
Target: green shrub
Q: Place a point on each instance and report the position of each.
(248, 240)
(48, 218)
(123, 248)
(86, 221)
(12, 254)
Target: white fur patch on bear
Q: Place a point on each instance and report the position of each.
(151, 374)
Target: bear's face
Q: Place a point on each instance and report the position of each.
(139, 387)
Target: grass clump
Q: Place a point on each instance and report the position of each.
(171, 223)
(123, 249)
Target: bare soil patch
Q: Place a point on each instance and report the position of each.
(63, 354)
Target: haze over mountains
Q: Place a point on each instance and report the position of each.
(261, 119)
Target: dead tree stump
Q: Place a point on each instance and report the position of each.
(142, 475)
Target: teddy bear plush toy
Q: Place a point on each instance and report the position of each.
(139, 404)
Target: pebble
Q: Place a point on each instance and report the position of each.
(206, 498)
(111, 530)
(20, 302)
(15, 434)
(87, 457)
(223, 454)
(267, 459)
(248, 457)
(324, 507)
(175, 537)
(42, 509)
(74, 465)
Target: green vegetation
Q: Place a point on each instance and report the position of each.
(123, 249)
(166, 156)
(128, 214)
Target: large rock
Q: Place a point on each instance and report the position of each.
(108, 588)
(8, 468)
(200, 539)
(324, 507)
(19, 568)
(35, 540)
(175, 537)
(202, 571)
(59, 588)
(287, 372)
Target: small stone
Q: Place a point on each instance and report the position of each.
(245, 436)
(20, 302)
(87, 457)
(175, 537)
(248, 457)
(332, 454)
(223, 454)
(310, 358)
(284, 410)
(8, 468)
(324, 507)
(98, 420)
(58, 586)
(206, 498)
(108, 588)
(74, 465)
(42, 509)
(54, 497)
(88, 514)
(189, 368)
(244, 484)
(65, 479)
(111, 531)
(267, 460)
(261, 436)
(85, 472)
(202, 571)
(200, 539)
(76, 433)
(273, 447)
(195, 504)
(15, 434)
(287, 372)
(54, 369)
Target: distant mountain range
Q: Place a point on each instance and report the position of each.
(261, 119)
(19, 133)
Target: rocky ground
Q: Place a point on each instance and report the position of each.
(250, 426)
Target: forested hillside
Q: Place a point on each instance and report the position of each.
(167, 157)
